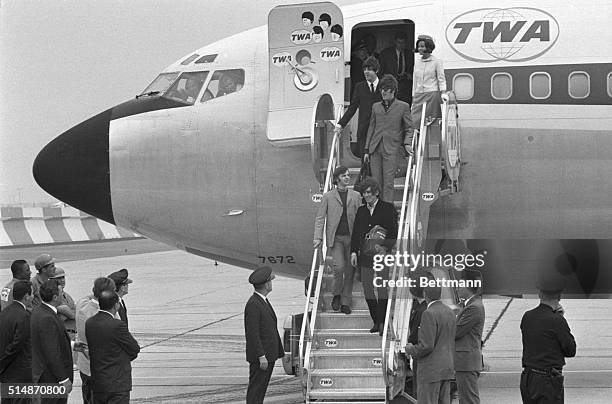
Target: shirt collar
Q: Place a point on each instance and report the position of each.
(432, 302)
(52, 307)
(24, 306)
(388, 104)
(375, 82)
(468, 299)
(108, 312)
(262, 296)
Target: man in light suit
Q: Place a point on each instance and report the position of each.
(85, 308)
(111, 349)
(51, 351)
(468, 340)
(263, 344)
(390, 127)
(15, 343)
(364, 95)
(435, 349)
(339, 206)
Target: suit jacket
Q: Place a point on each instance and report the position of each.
(260, 330)
(384, 215)
(468, 337)
(389, 65)
(436, 347)
(331, 207)
(416, 313)
(15, 344)
(122, 311)
(389, 128)
(362, 99)
(111, 349)
(51, 352)
(85, 308)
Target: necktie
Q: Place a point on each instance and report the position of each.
(372, 87)
(400, 63)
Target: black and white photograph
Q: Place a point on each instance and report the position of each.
(305, 202)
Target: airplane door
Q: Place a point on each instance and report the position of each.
(306, 63)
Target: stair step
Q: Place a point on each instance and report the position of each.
(335, 339)
(348, 394)
(347, 359)
(358, 319)
(347, 379)
(357, 302)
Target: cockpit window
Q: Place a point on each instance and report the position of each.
(206, 59)
(187, 87)
(190, 59)
(161, 83)
(224, 82)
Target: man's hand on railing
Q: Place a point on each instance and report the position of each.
(354, 259)
(366, 157)
(316, 244)
(408, 149)
(338, 128)
(445, 97)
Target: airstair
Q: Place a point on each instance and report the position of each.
(340, 360)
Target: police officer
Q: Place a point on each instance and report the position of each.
(547, 340)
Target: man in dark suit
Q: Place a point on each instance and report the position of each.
(364, 95)
(263, 344)
(15, 343)
(468, 340)
(390, 128)
(374, 212)
(111, 349)
(51, 351)
(547, 341)
(122, 283)
(419, 305)
(435, 349)
(398, 61)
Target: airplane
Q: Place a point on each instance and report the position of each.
(225, 153)
(228, 175)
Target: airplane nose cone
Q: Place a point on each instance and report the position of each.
(74, 167)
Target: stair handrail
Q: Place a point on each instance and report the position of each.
(314, 268)
(449, 105)
(407, 217)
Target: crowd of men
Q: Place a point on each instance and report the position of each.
(44, 332)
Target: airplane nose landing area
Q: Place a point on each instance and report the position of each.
(74, 167)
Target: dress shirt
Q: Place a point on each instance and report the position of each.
(375, 83)
(262, 296)
(371, 208)
(432, 302)
(52, 307)
(428, 75)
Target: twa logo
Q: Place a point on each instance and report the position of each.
(301, 37)
(330, 54)
(509, 34)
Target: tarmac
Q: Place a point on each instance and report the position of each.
(187, 314)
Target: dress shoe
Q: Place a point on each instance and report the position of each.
(374, 328)
(345, 309)
(336, 303)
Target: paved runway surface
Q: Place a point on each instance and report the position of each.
(187, 315)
